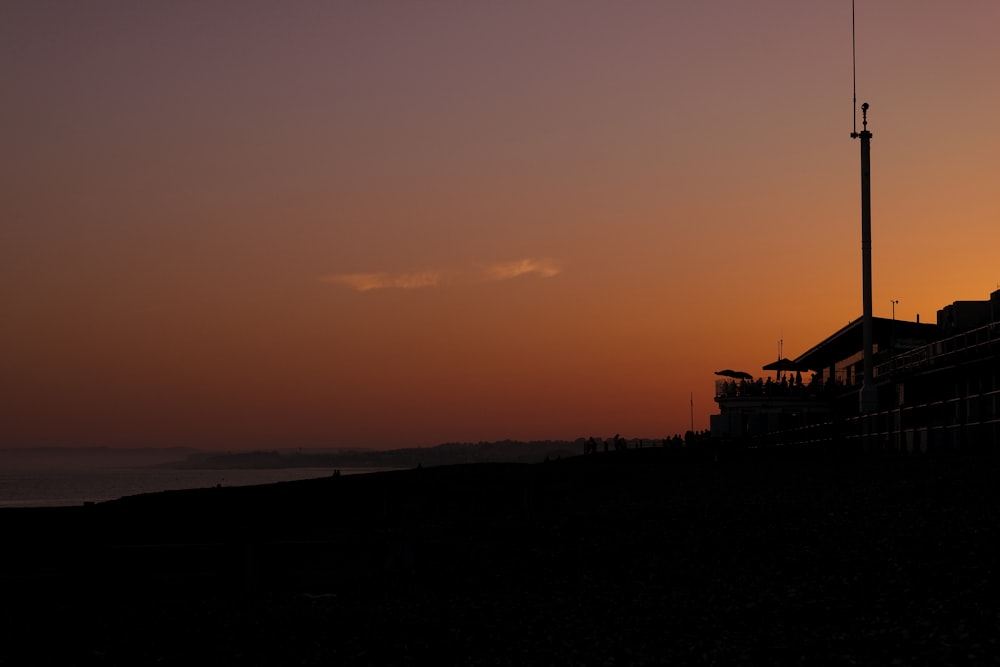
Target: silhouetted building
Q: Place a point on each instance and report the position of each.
(838, 359)
(751, 409)
(964, 315)
(938, 386)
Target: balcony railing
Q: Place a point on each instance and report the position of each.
(771, 389)
(952, 350)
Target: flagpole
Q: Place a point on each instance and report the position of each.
(692, 412)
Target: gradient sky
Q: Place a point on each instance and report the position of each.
(261, 224)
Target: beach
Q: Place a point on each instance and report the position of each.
(636, 557)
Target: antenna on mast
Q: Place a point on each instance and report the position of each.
(854, 74)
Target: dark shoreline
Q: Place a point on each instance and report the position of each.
(506, 451)
(637, 557)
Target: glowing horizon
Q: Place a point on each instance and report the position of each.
(408, 225)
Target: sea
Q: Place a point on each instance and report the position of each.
(79, 485)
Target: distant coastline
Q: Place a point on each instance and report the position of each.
(506, 451)
(37, 459)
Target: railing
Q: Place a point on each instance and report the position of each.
(944, 352)
(964, 423)
(771, 389)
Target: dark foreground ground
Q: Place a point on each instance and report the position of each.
(641, 557)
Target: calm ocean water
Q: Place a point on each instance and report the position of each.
(59, 488)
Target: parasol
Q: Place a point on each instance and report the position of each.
(785, 365)
(739, 375)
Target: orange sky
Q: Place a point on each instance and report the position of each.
(396, 224)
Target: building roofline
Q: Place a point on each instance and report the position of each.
(848, 340)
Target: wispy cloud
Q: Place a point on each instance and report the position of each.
(364, 282)
(545, 268)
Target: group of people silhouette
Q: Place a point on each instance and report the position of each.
(591, 445)
(784, 384)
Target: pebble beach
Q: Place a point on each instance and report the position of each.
(642, 557)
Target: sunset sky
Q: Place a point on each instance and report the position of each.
(241, 225)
